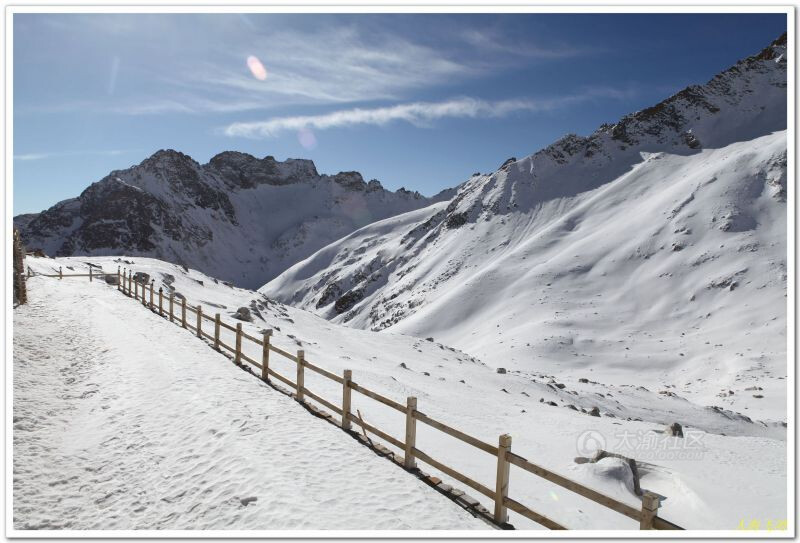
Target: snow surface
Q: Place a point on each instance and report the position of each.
(637, 282)
(740, 471)
(123, 421)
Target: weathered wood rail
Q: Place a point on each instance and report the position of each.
(646, 516)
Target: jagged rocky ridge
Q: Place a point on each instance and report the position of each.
(238, 217)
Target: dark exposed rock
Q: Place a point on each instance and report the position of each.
(508, 162)
(346, 302)
(675, 430)
(456, 219)
(331, 292)
(243, 314)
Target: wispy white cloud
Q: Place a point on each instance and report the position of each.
(415, 113)
(198, 64)
(60, 154)
(32, 156)
(492, 41)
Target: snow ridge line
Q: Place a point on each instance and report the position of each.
(129, 285)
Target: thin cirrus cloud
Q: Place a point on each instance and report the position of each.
(265, 65)
(45, 156)
(415, 113)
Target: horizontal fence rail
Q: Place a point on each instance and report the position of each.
(131, 285)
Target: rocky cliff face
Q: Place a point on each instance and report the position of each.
(240, 218)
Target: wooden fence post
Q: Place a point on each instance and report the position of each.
(171, 301)
(216, 331)
(503, 471)
(119, 280)
(265, 356)
(650, 505)
(346, 398)
(301, 355)
(238, 357)
(90, 274)
(183, 312)
(130, 279)
(199, 321)
(135, 289)
(411, 433)
(161, 301)
(152, 284)
(60, 274)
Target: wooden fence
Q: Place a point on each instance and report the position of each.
(647, 515)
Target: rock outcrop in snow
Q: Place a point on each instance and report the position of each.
(238, 217)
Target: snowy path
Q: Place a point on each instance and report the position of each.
(123, 421)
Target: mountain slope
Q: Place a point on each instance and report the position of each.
(654, 249)
(239, 218)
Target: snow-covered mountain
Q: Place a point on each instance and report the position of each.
(655, 248)
(239, 218)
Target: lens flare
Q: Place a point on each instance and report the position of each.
(256, 68)
(307, 138)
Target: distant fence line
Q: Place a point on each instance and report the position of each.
(127, 284)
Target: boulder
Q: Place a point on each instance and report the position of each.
(501, 370)
(675, 430)
(594, 412)
(243, 314)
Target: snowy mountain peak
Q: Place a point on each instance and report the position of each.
(169, 159)
(743, 102)
(238, 217)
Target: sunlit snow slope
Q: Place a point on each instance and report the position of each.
(651, 252)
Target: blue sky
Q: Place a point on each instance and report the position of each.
(420, 101)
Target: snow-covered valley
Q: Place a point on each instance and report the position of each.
(729, 459)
